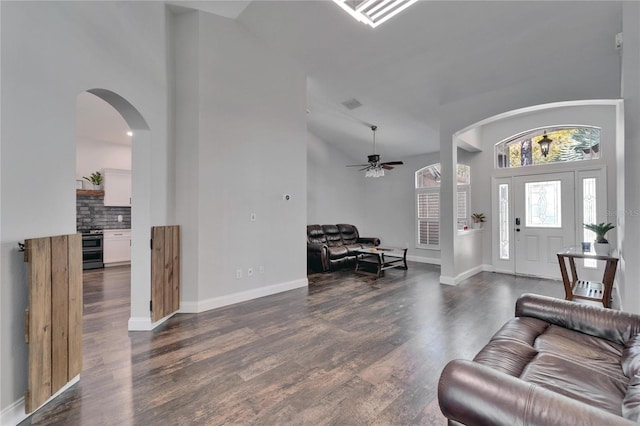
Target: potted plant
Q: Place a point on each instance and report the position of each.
(478, 220)
(95, 178)
(601, 244)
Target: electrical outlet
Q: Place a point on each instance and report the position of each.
(249, 272)
(238, 273)
(262, 269)
(253, 217)
(119, 218)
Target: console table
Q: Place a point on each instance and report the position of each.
(576, 288)
(382, 258)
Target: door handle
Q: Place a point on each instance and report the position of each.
(517, 229)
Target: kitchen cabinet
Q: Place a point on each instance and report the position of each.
(117, 246)
(117, 187)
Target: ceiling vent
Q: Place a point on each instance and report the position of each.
(352, 103)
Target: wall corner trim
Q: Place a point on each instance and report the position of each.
(243, 296)
(464, 275)
(145, 324)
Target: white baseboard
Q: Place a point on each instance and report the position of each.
(145, 324)
(447, 280)
(464, 275)
(243, 296)
(422, 259)
(109, 265)
(14, 413)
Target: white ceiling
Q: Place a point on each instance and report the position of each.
(432, 54)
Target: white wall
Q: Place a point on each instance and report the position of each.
(250, 149)
(92, 155)
(51, 52)
(334, 193)
(630, 215)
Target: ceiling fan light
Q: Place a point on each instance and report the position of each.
(374, 172)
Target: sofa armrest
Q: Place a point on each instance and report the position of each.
(474, 394)
(369, 240)
(316, 247)
(615, 326)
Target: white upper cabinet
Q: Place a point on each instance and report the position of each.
(117, 187)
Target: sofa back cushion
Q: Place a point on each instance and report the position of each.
(349, 233)
(332, 233)
(631, 368)
(315, 234)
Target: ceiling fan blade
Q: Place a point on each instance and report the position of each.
(386, 166)
(365, 168)
(357, 165)
(393, 163)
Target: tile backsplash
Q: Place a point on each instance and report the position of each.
(91, 213)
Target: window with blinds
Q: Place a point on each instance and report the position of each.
(427, 185)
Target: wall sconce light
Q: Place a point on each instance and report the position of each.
(545, 143)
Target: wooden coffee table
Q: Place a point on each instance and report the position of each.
(382, 258)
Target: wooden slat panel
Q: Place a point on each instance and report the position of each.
(59, 312)
(75, 305)
(157, 273)
(40, 322)
(176, 268)
(168, 271)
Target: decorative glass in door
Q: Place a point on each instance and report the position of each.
(543, 203)
(503, 196)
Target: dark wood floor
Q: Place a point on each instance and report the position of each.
(348, 350)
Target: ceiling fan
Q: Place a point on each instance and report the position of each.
(375, 168)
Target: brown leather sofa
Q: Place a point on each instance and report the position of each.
(332, 246)
(556, 363)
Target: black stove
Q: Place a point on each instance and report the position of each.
(92, 249)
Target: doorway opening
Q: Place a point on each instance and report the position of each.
(132, 192)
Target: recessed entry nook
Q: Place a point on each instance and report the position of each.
(140, 318)
(549, 190)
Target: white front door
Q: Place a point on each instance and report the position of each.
(544, 222)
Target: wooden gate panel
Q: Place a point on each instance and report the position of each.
(39, 255)
(165, 271)
(176, 269)
(53, 320)
(75, 305)
(59, 312)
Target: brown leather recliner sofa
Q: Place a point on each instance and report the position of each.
(556, 363)
(332, 246)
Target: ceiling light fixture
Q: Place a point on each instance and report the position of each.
(373, 12)
(545, 143)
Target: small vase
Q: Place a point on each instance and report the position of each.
(96, 187)
(476, 225)
(601, 249)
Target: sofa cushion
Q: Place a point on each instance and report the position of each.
(577, 381)
(631, 368)
(333, 236)
(315, 234)
(577, 365)
(349, 233)
(337, 252)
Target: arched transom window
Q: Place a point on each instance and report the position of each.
(563, 144)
